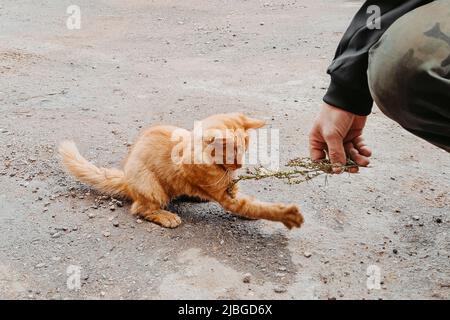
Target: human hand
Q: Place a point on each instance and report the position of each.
(338, 133)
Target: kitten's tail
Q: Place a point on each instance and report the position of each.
(108, 181)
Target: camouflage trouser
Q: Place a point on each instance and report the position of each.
(409, 72)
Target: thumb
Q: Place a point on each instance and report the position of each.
(336, 153)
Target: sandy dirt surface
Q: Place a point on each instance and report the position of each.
(135, 63)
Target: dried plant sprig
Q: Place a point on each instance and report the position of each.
(301, 170)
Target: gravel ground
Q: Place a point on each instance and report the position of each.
(136, 63)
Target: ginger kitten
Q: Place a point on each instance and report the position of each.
(164, 163)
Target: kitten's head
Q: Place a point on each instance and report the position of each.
(226, 137)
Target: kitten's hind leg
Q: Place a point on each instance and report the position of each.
(150, 197)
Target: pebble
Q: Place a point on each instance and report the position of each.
(307, 254)
(416, 218)
(112, 208)
(115, 223)
(279, 289)
(282, 269)
(247, 278)
(106, 234)
(56, 235)
(91, 215)
(139, 221)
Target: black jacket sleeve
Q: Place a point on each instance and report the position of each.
(349, 89)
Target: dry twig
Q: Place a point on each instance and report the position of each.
(300, 170)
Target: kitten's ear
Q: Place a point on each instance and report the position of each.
(252, 123)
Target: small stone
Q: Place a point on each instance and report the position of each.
(416, 218)
(112, 208)
(261, 23)
(106, 234)
(279, 289)
(56, 235)
(40, 265)
(307, 254)
(139, 221)
(282, 269)
(247, 278)
(103, 293)
(115, 223)
(91, 215)
(119, 203)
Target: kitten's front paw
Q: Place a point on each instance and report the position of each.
(292, 217)
(164, 218)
